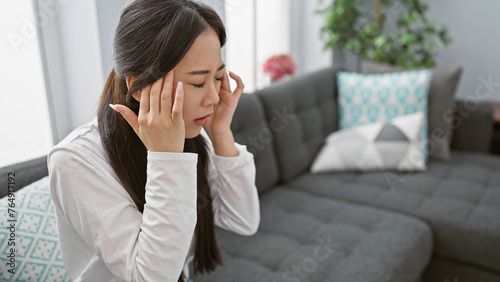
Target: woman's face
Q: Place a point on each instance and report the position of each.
(201, 72)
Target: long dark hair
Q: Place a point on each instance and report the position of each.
(151, 39)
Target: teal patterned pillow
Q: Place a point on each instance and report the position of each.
(368, 98)
(37, 253)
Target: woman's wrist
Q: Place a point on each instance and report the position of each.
(224, 144)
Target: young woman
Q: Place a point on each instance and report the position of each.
(138, 190)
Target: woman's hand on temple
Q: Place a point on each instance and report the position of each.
(160, 126)
(220, 122)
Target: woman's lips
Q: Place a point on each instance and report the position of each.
(201, 121)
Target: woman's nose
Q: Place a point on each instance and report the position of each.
(212, 97)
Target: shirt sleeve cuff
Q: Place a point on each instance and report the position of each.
(229, 163)
(186, 156)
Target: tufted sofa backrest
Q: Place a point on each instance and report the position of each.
(300, 113)
(250, 128)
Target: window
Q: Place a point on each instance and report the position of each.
(26, 129)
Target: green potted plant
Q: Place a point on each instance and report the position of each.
(412, 43)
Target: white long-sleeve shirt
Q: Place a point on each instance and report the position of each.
(104, 237)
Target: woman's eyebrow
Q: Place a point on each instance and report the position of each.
(200, 72)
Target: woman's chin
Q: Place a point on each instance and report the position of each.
(194, 132)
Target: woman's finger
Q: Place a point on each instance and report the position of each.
(239, 83)
(154, 97)
(225, 82)
(128, 115)
(144, 102)
(178, 103)
(166, 96)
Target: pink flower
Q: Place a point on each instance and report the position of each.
(279, 65)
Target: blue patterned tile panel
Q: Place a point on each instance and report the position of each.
(37, 251)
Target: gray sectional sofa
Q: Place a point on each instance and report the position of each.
(435, 226)
(439, 225)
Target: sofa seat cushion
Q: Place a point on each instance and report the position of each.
(305, 237)
(459, 199)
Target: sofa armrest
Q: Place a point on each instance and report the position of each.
(473, 126)
(26, 173)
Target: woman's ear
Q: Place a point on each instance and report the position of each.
(136, 95)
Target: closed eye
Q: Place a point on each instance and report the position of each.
(203, 84)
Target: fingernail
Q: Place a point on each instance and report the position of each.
(179, 86)
(113, 107)
(170, 72)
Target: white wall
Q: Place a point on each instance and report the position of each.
(307, 45)
(475, 29)
(240, 50)
(81, 52)
(273, 30)
(108, 15)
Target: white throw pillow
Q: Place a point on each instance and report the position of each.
(393, 145)
(366, 98)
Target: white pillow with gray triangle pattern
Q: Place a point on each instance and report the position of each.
(393, 145)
